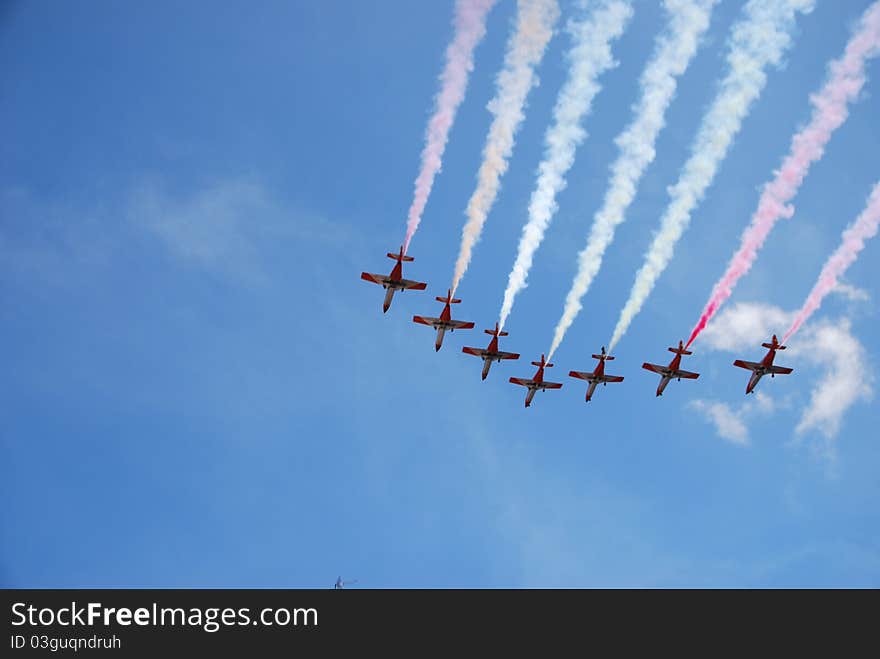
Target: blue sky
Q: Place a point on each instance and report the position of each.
(199, 390)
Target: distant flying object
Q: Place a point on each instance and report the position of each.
(341, 584)
(598, 374)
(537, 381)
(445, 321)
(491, 353)
(672, 371)
(765, 366)
(394, 281)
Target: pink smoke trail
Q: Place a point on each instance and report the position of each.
(470, 27)
(853, 241)
(830, 110)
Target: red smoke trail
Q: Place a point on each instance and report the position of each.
(853, 241)
(470, 27)
(830, 110)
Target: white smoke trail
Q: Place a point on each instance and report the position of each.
(534, 27)
(673, 52)
(758, 41)
(470, 27)
(590, 56)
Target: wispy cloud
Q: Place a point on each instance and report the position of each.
(730, 422)
(852, 293)
(50, 239)
(727, 423)
(846, 379)
(230, 227)
(225, 227)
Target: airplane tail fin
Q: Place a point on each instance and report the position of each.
(774, 344)
(495, 332)
(542, 363)
(448, 299)
(603, 356)
(400, 256)
(680, 351)
(773, 347)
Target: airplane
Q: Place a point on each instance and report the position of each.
(672, 371)
(394, 281)
(491, 353)
(765, 366)
(341, 584)
(598, 374)
(537, 381)
(445, 321)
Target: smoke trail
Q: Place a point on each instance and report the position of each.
(830, 110)
(534, 27)
(673, 52)
(590, 56)
(853, 241)
(470, 27)
(757, 41)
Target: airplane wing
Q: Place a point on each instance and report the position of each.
(411, 285)
(686, 374)
(752, 366)
(476, 352)
(781, 370)
(522, 381)
(655, 367)
(612, 378)
(376, 279)
(425, 320)
(460, 324)
(580, 374)
(508, 355)
(551, 385)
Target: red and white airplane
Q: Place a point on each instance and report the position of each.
(765, 366)
(598, 375)
(491, 353)
(667, 373)
(537, 381)
(445, 321)
(394, 281)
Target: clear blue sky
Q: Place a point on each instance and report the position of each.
(198, 389)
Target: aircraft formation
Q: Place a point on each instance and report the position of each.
(394, 281)
(593, 33)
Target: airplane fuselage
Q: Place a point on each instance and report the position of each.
(597, 376)
(536, 383)
(668, 374)
(672, 370)
(758, 373)
(394, 281)
(441, 332)
(490, 353)
(664, 380)
(444, 322)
